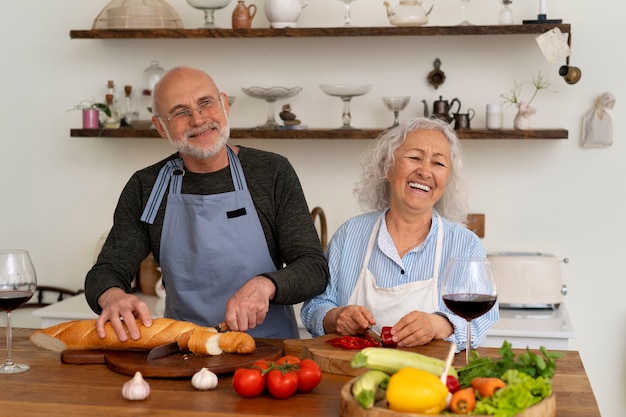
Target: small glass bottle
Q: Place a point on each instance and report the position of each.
(112, 121)
(130, 112)
(151, 76)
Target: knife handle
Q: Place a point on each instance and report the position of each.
(222, 327)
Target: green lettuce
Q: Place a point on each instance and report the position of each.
(521, 392)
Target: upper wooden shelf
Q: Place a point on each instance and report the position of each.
(317, 32)
(126, 132)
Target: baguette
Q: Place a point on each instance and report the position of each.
(82, 335)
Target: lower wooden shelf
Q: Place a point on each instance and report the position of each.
(125, 132)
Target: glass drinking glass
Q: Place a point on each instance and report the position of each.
(468, 289)
(18, 282)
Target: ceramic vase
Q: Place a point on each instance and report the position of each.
(243, 15)
(522, 118)
(91, 119)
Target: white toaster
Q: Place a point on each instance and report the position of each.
(528, 279)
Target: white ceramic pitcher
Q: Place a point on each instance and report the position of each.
(284, 13)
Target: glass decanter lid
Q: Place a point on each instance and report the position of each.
(137, 14)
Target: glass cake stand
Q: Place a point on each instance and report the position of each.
(271, 95)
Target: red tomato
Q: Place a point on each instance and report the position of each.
(282, 384)
(309, 375)
(288, 359)
(248, 382)
(262, 364)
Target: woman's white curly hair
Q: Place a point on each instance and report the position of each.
(373, 189)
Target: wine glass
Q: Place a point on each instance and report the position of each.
(465, 21)
(396, 105)
(17, 285)
(271, 95)
(468, 289)
(506, 14)
(209, 7)
(346, 92)
(347, 19)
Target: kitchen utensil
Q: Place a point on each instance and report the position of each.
(407, 13)
(346, 92)
(468, 289)
(18, 282)
(271, 95)
(178, 365)
(465, 21)
(442, 109)
(170, 348)
(284, 13)
(347, 19)
(396, 105)
(375, 336)
(528, 279)
(462, 120)
(209, 7)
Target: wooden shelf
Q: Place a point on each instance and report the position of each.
(317, 32)
(126, 132)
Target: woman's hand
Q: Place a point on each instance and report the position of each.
(418, 328)
(348, 320)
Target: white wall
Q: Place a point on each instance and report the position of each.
(58, 192)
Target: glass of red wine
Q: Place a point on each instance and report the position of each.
(468, 289)
(18, 282)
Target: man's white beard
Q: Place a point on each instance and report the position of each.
(197, 152)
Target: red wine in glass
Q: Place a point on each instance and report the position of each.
(469, 306)
(10, 300)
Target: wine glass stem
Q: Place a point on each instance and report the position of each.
(271, 117)
(468, 343)
(209, 18)
(9, 334)
(346, 17)
(346, 118)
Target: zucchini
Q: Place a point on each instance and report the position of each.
(392, 360)
(370, 387)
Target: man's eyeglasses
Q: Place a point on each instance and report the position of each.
(205, 108)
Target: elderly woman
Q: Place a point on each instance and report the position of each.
(385, 265)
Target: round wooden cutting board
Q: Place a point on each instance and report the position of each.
(177, 365)
(351, 408)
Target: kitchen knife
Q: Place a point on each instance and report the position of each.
(172, 347)
(371, 333)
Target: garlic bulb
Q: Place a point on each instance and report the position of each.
(204, 380)
(136, 389)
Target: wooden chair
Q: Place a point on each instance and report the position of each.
(315, 213)
(41, 290)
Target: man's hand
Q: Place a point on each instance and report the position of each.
(348, 320)
(248, 307)
(118, 306)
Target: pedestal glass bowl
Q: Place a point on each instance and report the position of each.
(347, 19)
(465, 21)
(396, 104)
(271, 95)
(209, 7)
(346, 92)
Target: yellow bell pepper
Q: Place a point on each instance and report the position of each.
(413, 390)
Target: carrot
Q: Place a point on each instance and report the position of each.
(463, 401)
(486, 387)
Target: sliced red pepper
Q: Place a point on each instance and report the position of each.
(351, 342)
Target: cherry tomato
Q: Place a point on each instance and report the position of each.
(281, 384)
(262, 364)
(288, 359)
(248, 382)
(309, 375)
(453, 384)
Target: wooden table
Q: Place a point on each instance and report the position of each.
(51, 388)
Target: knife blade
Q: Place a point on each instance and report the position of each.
(172, 347)
(371, 333)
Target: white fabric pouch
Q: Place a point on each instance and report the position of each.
(597, 131)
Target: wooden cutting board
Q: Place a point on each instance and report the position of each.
(337, 360)
(178, 365)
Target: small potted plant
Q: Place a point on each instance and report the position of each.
(524, 110)
(91, 112)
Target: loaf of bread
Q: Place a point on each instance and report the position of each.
(81, 334)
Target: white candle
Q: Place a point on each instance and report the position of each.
(542, 6)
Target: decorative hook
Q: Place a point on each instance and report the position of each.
(436, 77)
